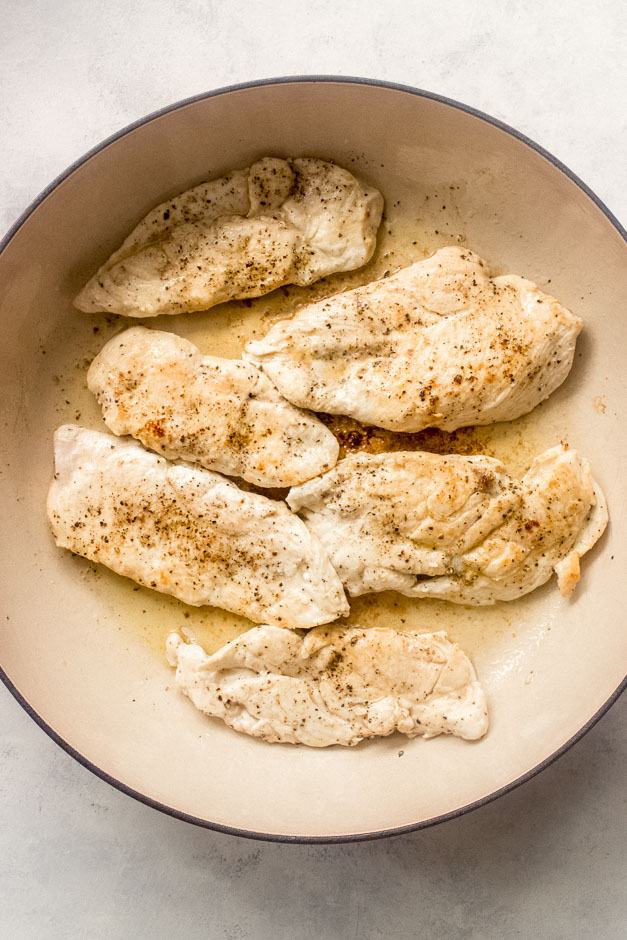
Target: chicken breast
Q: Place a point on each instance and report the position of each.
(455, 528)
(277, 222)
(438, 344)
(334, 685)
(223, 414)
(188, 532)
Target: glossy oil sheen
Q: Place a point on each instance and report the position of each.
(85, 647)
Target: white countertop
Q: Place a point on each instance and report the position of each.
(78, 858)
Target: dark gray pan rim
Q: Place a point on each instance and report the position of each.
(169, 810)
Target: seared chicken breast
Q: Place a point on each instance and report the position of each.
(334, 685)
(438, 344)
(188, 532)
(223, 414)
(276, 222)
(455, 528)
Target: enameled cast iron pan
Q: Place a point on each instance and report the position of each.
(82, 650)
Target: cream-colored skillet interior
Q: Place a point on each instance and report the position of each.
(85, 647)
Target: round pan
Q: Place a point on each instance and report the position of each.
(81, 650)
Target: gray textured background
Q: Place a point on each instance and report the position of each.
(78, 859)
